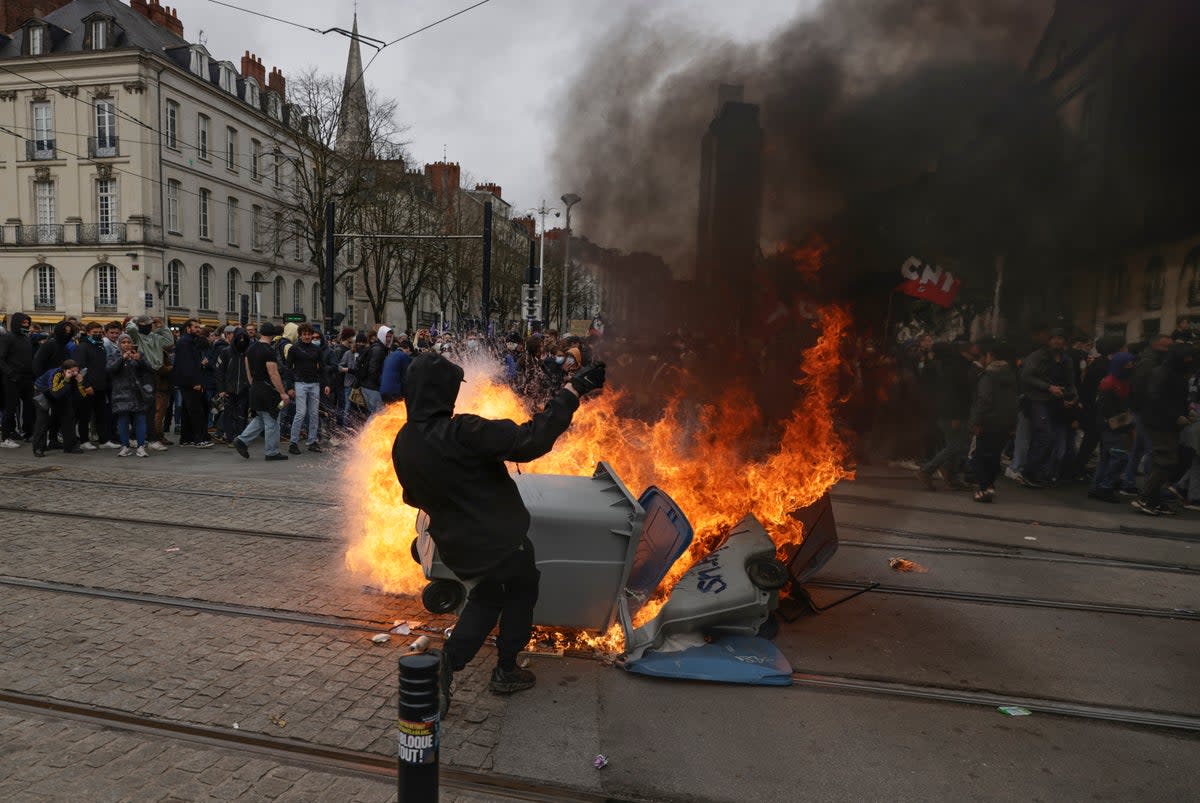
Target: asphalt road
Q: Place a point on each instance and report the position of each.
(1086, 607)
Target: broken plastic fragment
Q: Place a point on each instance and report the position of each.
(905, 565)
(236, 726)
(401, 629)
(380, 638)
(172, 549)
(278, 720)
(600, 762)
(420, 645)
(1014, 711)
(1031, 538)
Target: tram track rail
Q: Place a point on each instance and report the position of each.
(141, 489)
(295, 751)
(842, 683)
(1127, 529)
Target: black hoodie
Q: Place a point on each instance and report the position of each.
(54, 349)
(452, 466)
(16, 350)
(1167, 391)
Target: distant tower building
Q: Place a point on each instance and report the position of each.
(354, 122)
(731, 187)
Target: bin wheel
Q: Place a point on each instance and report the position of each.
(443, 596)
(770, 628)
(766, 573)
(412, 550)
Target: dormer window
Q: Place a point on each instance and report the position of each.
(37, 39)
(99, 32)
(252, 95)
(228, 78)
(199, 62)
(274, 106)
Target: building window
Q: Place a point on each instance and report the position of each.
(231, 148)
(277, 234)
(228, 79)
(205, 286)
(231, 290)
(202, 126)
(98, 33)
(255, 157)
(45, 201)
(256, 285)
(106, 209)
(275, 167)
(316, 300)
(35, 38)
(174, 279)
(199, 63)
(173, 206)
(172, 131)
(1156, 283)
(277, 296)
(205, 195)
(252, 92)
(106, 286)
(275, 106)
(296, 253)
(46, 287)
(1150, 328)
(105, 143)
(43, 130)
(231, 220)
(298, 296)
(256, 228)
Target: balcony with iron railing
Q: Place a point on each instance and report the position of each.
(40, 234)
(103, 147)
(93, 233)
(37, 150)
(42, 302)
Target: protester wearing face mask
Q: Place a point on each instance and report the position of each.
(152, 339)
(16, 367)
(92, 359)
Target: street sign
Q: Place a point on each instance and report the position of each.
(294, 317)
(531, 302)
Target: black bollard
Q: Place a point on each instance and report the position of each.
(417, 728)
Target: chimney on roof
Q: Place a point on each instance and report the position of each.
(276, 83)
(15, 12)
(252, 67)
(163, 16)
(494, 189)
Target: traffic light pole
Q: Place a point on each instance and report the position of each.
(330, 255)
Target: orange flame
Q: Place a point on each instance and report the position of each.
(696, 453)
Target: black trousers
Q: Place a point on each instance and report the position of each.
(18, 401)
(509, 593)
(986, 461)
(193, 425)
(93, 408)
(61, 415)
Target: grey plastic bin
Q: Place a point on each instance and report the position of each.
(585, 532)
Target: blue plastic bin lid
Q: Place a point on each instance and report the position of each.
(666, 534)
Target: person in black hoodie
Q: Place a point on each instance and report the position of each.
(304, 377)
(1089, 387)
(952, 382)
(16, 368)
(233, 385)
(1165, 413)
(92, 359)
(1147, 361)
(50, 355)
(993, 414)
(188, 374)
(452, 467)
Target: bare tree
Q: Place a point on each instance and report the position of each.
(320, 173)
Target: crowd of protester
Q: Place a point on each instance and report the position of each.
(1056, 410)
(129, 385)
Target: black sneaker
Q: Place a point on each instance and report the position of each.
(1165, 510)
(1103, 495)
(276, 456)
(1144, 507)
(241, 447)
(508, 682)
(312, 447)
(1029, 483)
(445, 683)
(294, 449)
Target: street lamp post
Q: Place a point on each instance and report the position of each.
(542, 210)
(570, 199)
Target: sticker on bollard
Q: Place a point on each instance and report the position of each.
(418, 741)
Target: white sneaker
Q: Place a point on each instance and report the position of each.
(125, 452)
(110, 445)
(141, 451)
(1012, 474)
(9, 443)
(88, 446)
(155, 445)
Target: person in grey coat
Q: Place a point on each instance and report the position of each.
(132, 390)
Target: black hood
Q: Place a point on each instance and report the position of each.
(60, 332)
(17, 320)
(431, 386)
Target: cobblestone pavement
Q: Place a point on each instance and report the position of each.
(322, 685)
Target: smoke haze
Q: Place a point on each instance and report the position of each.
(856, 97)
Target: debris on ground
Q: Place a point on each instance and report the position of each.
(400, 628)
(420, 645)
(600, 762)
(278, 720)
(171, 549)
(380, 638)
(906, 565)
(1031, 538)
(1014, 711)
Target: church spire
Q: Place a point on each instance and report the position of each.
(354, 124)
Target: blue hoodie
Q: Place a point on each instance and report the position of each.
(395, 369)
